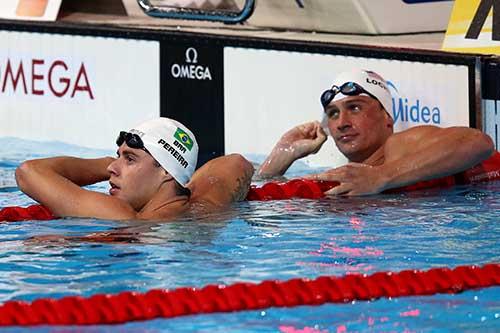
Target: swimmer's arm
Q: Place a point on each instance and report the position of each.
(80, 171)
(429, 152)
(297, 143)
(222, 180)
(55, 183)
(277, 163)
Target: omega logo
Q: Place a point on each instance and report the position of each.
(43, 77)
(191, 56)
(190, 70)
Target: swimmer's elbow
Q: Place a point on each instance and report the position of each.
(489, 144)
(243, 172)
(23, 173)
(483, 144)
(472, 142)
(241, 163)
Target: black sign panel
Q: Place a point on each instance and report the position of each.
(491, 80)
(192, 92)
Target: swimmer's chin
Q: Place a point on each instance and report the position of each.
(114, 191)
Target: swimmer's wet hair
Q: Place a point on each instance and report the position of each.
(181, 190)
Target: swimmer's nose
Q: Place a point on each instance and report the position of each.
(344, 121)
(113, 168)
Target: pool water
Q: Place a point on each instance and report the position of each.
(256, 241)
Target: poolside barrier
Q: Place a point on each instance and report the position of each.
(130, 306)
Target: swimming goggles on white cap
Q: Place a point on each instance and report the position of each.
(348, 89)
(131, 139)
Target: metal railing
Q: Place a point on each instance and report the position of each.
(207, 13)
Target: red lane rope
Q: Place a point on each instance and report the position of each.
(129, 306)
(488, 170)
(34, 212)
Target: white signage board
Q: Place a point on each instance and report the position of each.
(404, 16)
(268, 92)
(354, 16)
(76, 89)
(40, 10)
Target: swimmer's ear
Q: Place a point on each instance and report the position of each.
(168, 177)
(390, 124)
(390, 121)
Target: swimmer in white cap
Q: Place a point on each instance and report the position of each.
(153, 177)
(357, 116)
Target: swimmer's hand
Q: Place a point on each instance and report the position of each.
(303, 140)
(300, 141)
(354, 178)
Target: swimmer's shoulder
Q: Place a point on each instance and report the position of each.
(412, 134)
(402, 143)
(203, 197)
(221, 181)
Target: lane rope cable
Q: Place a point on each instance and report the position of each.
(130, 306)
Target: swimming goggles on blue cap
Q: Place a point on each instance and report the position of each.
(131, 139)
(348, 89)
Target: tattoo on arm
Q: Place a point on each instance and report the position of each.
(242, 187)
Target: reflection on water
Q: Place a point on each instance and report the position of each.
(253, 241)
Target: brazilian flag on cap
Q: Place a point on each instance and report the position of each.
(183, 138)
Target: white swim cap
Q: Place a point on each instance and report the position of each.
(369, 81)
(172, 145)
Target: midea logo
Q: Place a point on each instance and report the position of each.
(405, 109)
(191, 69)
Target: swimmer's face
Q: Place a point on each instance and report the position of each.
(359, 126)
(135, 177)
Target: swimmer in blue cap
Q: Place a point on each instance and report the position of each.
(356, 115)
(153, 177)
